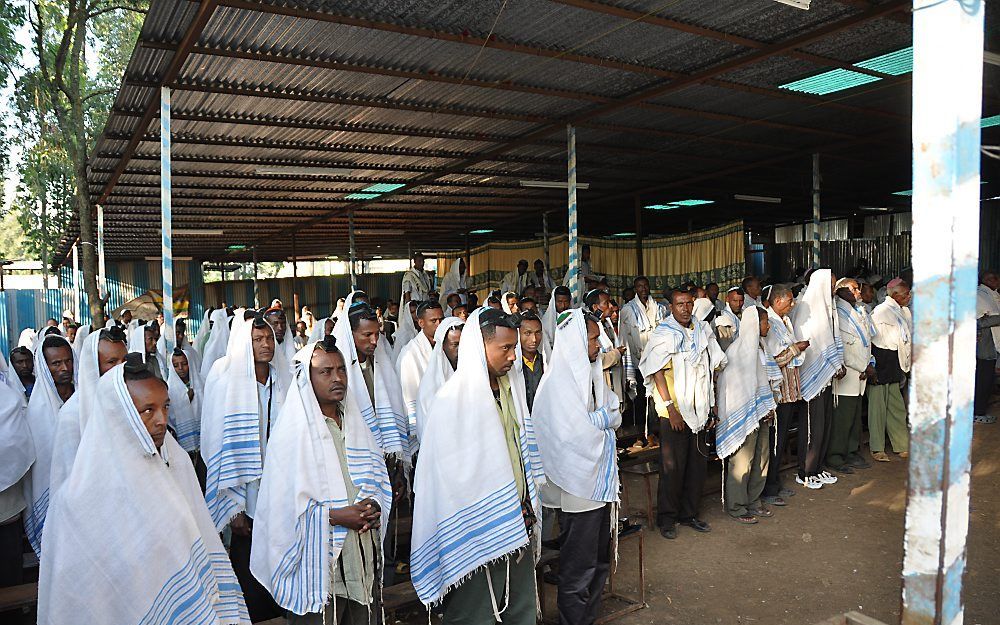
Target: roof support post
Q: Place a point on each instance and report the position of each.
(256, 284)
(947, 93)
(353, 253)
(166, 231)
(815, 224)
(102, 278)
(295, 282)
(573, 245)
(638, 238)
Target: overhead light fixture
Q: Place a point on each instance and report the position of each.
(196, 232)
(482, 231)
(757, 198)
(382, 187)
(894, 63)
(362, 196)
(236, 248)
(988, 122)
(158, 258)
(623, 234)
(798, 4)
(906, 193)
(678, 204)
(873, 208)
(377, 232)
(376, 258)
(288, 170)
(552, 184)
(992, 58)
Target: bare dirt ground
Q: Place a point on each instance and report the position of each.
(830, 551)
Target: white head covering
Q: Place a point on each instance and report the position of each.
(130, 526)
(745, 395)
(43, 410)
(185, 413)
(438, 372)
(577, 442)
(204, 330)
(17, 451)
(702, 307)
(218, 340)
(137, 344)
(549, 327)
(483, 496)
(295, 548)
(405, 330)
(27, 338)
(453, 281)
(81, 335)
(815, 320)
(386, 418)
(504, 304)
(319, 329)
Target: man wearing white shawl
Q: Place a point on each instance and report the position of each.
(407, 329)
(456, 282)
(417, 283)
(515, 281)
(575, 416)
(144, 341)
(204, 331)
(284, 348)
(218, 340)
(746, 407)
(541, 279)
(322, 497)
(855, 332)
(598, 303)
(727, 323)
(27, 338)
(440, 367)
(752, 295)
(22, 374)
(17, 452)
(815, 318)
(55, 371)
(474, 529)
(412, 361)
(637, 320)
(243, 397)
(562, 300)
(987, 343)
(187, 390)
(677, 367)
(144, 493)
(101, 352)
(892, 349)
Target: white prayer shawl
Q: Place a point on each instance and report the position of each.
(505, 301)
(545, 281)
(577, 444)
(185, 413)
(218, 340)
(815, 320)
(81, 335)
(295, 549)
(17, 451)
(464, 520)
(987, 304)
(549, 328)
(781, 337)
(453, 282)
(515, 282)
(42, 414)
(386, 416)
(231, 442)
(27, 338)
(438, 372)
(895, 331)
(410, 370)
(728, 319)
(318, 332)
(694, 358)
(745, 395)
(137, 344)
(702, 307)
(128, 538)
(204, 330)
(75, 414)
(749, 301)
(418, 283)
(406, 329)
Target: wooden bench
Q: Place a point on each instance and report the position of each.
(17, 597)
(398, 597)
(646, 471)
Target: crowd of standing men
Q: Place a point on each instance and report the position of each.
(255, 472)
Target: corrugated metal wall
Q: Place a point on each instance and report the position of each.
(886, 255)
(29, 308)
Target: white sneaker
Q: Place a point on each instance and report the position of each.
(827, 478)
(810, 482)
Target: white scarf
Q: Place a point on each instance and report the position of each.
(406, 329)
(295, 549)
(318, 332)
(218, 339)
(130, 526)
(852, 319)
(987, 304)
(27, 338)
(577, 444)
(745, 395)
(815, 320)
(453, 282)
(17, 451)
(464, 520)
(185, 413)
(231, 442)
(438, 372)
(895, 332)
(693, 360)
(204, 330)
(386, 416)
(137, 344)
(549, 328)
(702, 307)
(43, 410)
(410, 368)
(81, 335)
(728, 319)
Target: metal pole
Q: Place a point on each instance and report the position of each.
(815, 241)
(350, 237)
(574, 251)
(295, 282)
(103, 281)
(167, 254)
(76, 280)
(256, 285)
(947, 100)
(545, 238)
(638, 237)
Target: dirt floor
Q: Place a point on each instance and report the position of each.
(830, 551)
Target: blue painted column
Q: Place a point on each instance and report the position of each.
(574, 249)
(167, 256)
(947, 92)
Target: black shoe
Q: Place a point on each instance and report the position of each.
(858, 462)
(697, 525)
(843, 469)
(669, 533)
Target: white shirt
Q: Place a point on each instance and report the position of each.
(268, 407)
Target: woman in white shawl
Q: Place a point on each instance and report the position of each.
(745, 401)
(218, 340)
(42, 415)
(439, 371)
(469, 522)
(297, 551)
(130, 527)
(185, 401)
(455, 281)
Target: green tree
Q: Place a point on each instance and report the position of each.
(11, 18)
